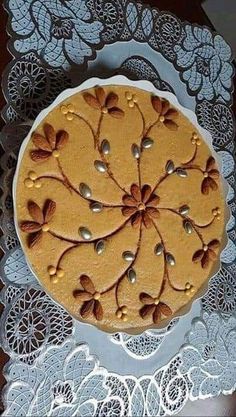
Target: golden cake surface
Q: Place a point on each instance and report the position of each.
(120, 207)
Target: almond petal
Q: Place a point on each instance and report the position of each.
(214, 244)
(156, 315)
(30, 227)
(112, 100)
(153, 212)
(147, 220)
(154, 200)
(91, 101)
(165, 107)
(61, 139)
(101, 96)
(214, 173)
(49, 210)
(87, 284)
(165, 309)
(205, 260)
(171, 125)
(212, 184)
(41, 142)
(135, 191)
(198, 255)
(98, 310)
(87, 309)
(146, 192)
(171, 114)
(156, 104)
(129, 201)
(212, 255)
(50, 134)
(210, 163)
(34, 239)
(205, 188)
(146, 311)
(35, 212)
(115, 112)
(82, 295)
(136, 220)
(40, 155)
(128, 211)
(146, 298)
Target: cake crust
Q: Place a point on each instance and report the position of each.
(120, 207)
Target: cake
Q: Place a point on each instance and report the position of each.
(119, 207)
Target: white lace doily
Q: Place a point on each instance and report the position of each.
(52, 371)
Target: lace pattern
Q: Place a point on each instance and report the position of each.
(50, 372)
(32, 87)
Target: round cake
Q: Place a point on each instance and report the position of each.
(120, 207)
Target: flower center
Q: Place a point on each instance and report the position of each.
(55, 153)
(156, 301)
(61, 27)
(97, 295)
(203, 66)
(25, 85)
(45, 227)
(104, 110)
(141, 206)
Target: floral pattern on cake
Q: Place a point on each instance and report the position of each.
(155, 307)
(90, 298)
(207, 253)
(140, 206)
(48, 145)
(41, 218)
(211, 174)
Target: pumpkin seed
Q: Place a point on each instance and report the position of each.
(128, 256)
(85, 191)
(135, 151)
(99, 246)
(147, 143)
(100, 166)
(158, 250)
(184, 209)
(132, 275)
(181, 172)
(85, 233)
(105, 147)
(170, 259)
(187, 227)
(170, 167)
(96, 207)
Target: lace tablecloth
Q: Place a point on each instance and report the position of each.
(52, 371)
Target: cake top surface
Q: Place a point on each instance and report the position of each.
(120, 207)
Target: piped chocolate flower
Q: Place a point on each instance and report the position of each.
(91, 305)
(140, 205)
(48, 145)
(166, 114)
(153, 307)
(105, 103)
(207, 253)
(41, 218)
(211, 174)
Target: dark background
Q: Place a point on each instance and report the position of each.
(192, 11)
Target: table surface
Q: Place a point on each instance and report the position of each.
(192, 12)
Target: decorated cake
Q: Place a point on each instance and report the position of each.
(119, 207)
